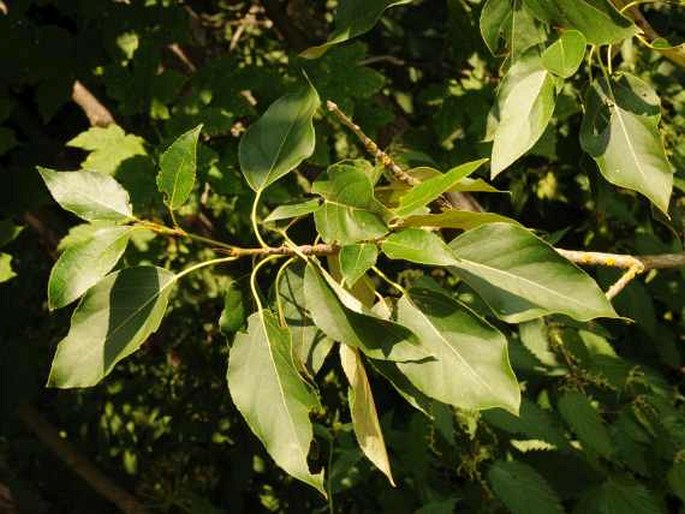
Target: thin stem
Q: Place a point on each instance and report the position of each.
(622, 282)
(610, 60)
(253, 218)
(200, 265)
(388, 280)
(253, 282)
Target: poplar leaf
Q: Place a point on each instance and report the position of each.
(178, 165)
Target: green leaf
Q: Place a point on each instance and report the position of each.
(620, 131)
(525, 103)
(676, 479)
(88, 194)
(356, 260)
(421, 246)
(616, 495)
(6, 271)
(469, 367)
(310, 344)
(109, 147)
(521, 277)
(597, 20)
(233, 314)
(463, 220)
(367, 428)
(586, 422)
(280, 140)
(522, 489)
(564, 56)
(8, 232)
(272, 397)
(438, 507)
(84, 264)
(494, 18)
(112, 321)
(178, 165)
(403, 386)
(428, 190)
(343, 318)
(353, 18)
(284, 212)
(350, 212)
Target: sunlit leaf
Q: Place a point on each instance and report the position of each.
(284, 212)
(112, 321)
(356, 260)
(420, 246)
(272, 397)
(84, 264)
(90, 195)
(470, 367)
(521, 277)
(564, 56)
(463, 220)
(280, 140)
(363, 410)
(177, 168)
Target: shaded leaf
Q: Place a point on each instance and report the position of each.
(353, 18)
(564, 56)
(618, 495)
(278, 410)
(363, 410)
(535, 338)
(416, 245)
(343, 318)
(521, 277)
(350, 213)
(586, 422)
(88, 194)
(178, 165)
(676, 479)
(112, 321)
(403, 386)
(233, 314)
(470, 367)
(310, 344)
(620, 131)
(280, 139)
(522, 489)
(85, 263)
(356, 260)
(494, 18)
(428, 190)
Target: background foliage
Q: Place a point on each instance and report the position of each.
(601, 426)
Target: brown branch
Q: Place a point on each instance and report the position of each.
(98, 115)
(50, 437)
(617, 260)
(397, 172)
(674, 54)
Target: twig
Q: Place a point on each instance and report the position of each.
(616, 260)
(176, 49)
(622, 282)
(50, 437)
(371, 147)
(98, 115)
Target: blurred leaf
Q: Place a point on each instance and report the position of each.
(363, 411)
(618, 495)
(522, 489)
(353, 18)
(233, 314)
(112, 321)
(277, 411)
(280, 139)
(85, 263)
(88, 194)
(6, 272)
(177, 169)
